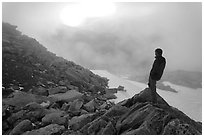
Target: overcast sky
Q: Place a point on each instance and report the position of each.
(124, 41)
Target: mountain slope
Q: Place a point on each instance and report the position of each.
(47, 95)
(27, 64)
(161, 118)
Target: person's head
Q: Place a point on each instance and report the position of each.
(158, 52)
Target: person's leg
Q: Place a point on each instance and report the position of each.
(152, 86)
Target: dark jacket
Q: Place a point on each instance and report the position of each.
(158, 68)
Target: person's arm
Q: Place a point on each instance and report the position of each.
(162, 66)
(155, 66)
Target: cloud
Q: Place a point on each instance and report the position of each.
(124, 42)
(100, 50)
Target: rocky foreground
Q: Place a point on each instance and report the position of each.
(47, 95)
(72, 113)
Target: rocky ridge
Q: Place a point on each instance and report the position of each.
(96, 116)
(28, 66)
(47, 95)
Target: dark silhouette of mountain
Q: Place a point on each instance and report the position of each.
(47, 95)
(189, 79)
(27, 64)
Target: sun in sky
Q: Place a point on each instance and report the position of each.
(75, 14)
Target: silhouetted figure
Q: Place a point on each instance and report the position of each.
(156, 72)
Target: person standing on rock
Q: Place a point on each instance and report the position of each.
(156, 72)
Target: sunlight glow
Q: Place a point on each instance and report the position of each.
(75, 14)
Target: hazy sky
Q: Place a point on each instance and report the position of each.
(124, 41)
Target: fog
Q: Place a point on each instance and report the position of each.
(124, 42)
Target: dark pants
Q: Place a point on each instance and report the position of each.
(152, 86)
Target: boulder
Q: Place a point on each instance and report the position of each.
(96, 89)
(91, 106)
(71, 87)
(16, 116)
(66, 106)
(78, 122)
(134, 117)
(87, 98)
(31, 111)
(32, 106)
(83, 112)
(20, 99)
(55, 105)
(142, 130)
(109, 96)
(6, 111)
(22, 127)
(121, 88)
(176, 127)
(143, 96)
(109, 130)
(51, 129)
(95, 118)
(55, 118)
(104, 106)
(15, 87)
(6, 92)
(77, 83)
(116, 110)
(45, 104)
(50, 83)
(56, 90)
(39, 83)
(103, 124)
(5, 126)
(35, 115)
(111, 90)
(102, 98)
(62, 83)
(38, 124)
(75, 106)
(96, 127)
(67, 97)
(40, 91)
